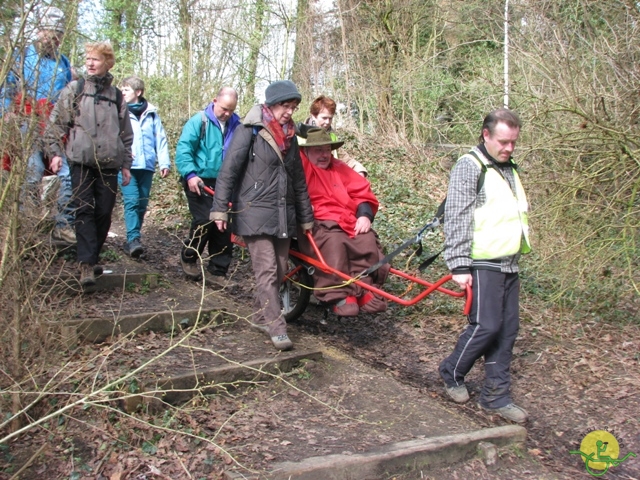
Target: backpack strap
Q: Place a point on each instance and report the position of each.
(119, 100)
(79, 93)
(203, 125)
(483, 172)
(254, 133)
(76, 100)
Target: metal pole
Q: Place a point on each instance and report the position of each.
(506, 54)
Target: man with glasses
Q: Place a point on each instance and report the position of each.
(199, 154)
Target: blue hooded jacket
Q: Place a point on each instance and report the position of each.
(42, 77)
(149, 141)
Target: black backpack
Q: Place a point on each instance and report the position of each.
(439, 218)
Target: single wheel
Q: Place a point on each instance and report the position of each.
(295, 290)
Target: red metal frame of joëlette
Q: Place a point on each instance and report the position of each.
(430, 287)
(320, 263)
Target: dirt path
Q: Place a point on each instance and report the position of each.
(572, 378)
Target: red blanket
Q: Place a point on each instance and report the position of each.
(336, 192)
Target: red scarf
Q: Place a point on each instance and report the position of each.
(282, 134)
(336, 192)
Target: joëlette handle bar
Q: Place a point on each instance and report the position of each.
(208, 190)
(431, 287)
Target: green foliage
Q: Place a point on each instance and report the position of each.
(141, 289)
(110, 256)
(149, 448)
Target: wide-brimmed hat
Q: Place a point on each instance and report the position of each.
(52, 19)
(318, 137)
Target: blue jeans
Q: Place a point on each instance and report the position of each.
(135, 197)
(35, 172)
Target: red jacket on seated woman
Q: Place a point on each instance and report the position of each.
(344, 208)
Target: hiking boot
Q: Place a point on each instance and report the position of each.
(134, 248)
(510, 412)
(191, 270)
(218, 281)
(282, 342)
(458, 394)
(66, 235)
(87, 278)
(369, 303)
(347, 307)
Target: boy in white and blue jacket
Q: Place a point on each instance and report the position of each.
(149, 147)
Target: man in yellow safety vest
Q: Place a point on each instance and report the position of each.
(486, 231)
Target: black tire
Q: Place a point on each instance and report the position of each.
(295, 292)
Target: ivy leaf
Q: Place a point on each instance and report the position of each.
(149, 448)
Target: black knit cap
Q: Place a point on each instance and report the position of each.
(281, 91)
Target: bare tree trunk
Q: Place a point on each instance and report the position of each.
(345, 55)
(302, 57)
(254, 49)
(185, 20)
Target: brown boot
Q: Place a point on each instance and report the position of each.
(87, 277)
(65, 235)
(191, 270)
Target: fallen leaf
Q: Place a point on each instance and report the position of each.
(154, 470)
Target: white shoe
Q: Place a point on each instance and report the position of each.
(282, 342)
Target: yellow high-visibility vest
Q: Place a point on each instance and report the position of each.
(501, 225)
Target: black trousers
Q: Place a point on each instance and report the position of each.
(204, 233)
(494, 321)
(94, 196)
